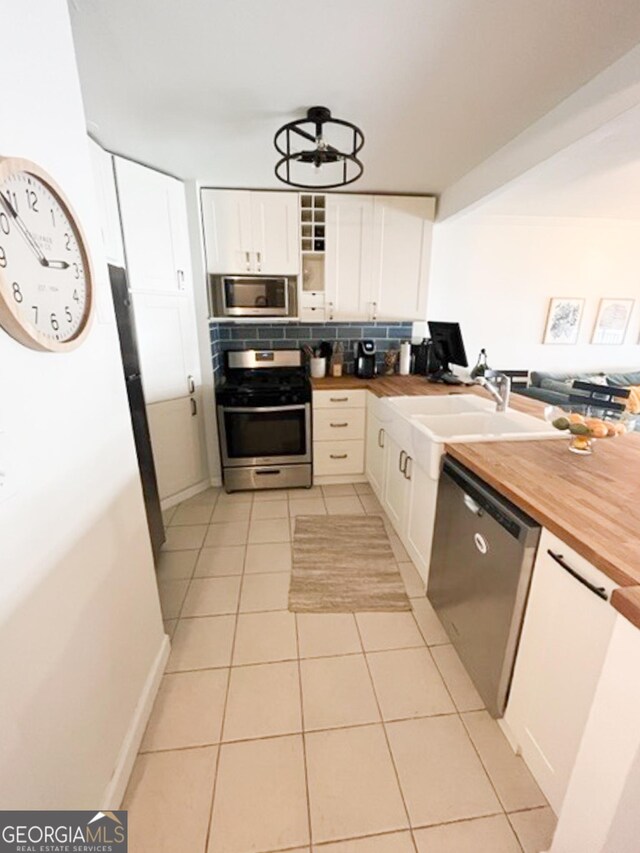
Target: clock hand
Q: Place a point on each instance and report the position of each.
(58, 265)
(22, 228)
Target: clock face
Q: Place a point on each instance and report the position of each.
(45, 276)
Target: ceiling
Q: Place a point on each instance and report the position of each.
(198, 87)
(598, 176)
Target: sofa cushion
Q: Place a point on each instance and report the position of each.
(624, 380)
(539, 377)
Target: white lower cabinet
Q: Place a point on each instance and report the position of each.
(339, 424)
(421, 513)
(178, 447)
(375, 450)
(565, 636)
(395, 491)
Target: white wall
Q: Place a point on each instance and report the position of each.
(80, 625)
(495, 275)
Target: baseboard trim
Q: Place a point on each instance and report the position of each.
(338, 479)
(172, 500)
(215, 481)
(117, 786)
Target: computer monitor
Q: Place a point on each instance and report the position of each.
(448, 348)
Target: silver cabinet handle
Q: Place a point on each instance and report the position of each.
(194, 407)
(259, 261)
(247, 256)
(380, 437)
(180, 277)
(400, 462)
(191, 384)
(374, 310)
(339, 425)
(407, 473)
(331, 310)
(338, 455)
(338, 399)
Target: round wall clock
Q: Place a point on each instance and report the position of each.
(46, 284)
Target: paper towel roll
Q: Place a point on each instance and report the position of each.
(405, 358)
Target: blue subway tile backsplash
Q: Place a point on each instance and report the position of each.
(226, 336)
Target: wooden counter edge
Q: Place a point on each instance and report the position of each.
(626, 601)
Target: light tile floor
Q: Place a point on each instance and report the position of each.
(326, 732)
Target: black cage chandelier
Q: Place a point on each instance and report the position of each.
(301, 168)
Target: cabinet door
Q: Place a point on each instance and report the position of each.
(401, 255)
(564, 640)
(147, 208)
(226, 216)
(421, 513)
(102, 165)
(176, 438)
(274, 224)
(376, 438)
(349, 233)
(395, 485)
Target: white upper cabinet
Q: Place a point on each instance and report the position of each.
(378, 250)
(251, 232)
(154, 223)
(402, 228)
(348, 257)
(102, 165)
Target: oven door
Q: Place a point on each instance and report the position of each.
(267, 435)
(255, 296)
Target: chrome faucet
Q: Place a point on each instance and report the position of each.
(498, 385)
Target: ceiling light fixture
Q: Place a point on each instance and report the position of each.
(302, 168)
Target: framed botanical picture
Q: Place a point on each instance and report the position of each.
(563, 321)
(612, 321)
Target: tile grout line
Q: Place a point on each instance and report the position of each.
(386, 737)
(226, 700)
(304, 735)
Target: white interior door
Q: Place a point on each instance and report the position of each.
(402, 250)
(274, 219)
(226, 216)
(349, 233)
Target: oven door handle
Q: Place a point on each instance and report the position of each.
(251, 409)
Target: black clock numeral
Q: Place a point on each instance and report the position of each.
(76, 271)
(67, 242)
(3, 257)
(34, 308)
(54, 323)
(4, 223)
(17, 293)
(12, 198)
(68, 314)
(32, 200)
(53, 218)
(75, 296)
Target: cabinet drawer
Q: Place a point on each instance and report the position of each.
(312, 299)
(342, 425)
(346, 399)
(312, 314)
(338, 457)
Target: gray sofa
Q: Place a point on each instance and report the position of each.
(554, 388)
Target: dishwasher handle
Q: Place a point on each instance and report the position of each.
(472, 506)
(600, 591)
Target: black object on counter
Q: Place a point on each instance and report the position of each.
(366, 359)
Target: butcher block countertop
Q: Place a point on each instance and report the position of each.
(591, 502)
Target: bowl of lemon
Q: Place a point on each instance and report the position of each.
(583, 424)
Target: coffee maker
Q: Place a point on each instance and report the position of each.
(366, 359)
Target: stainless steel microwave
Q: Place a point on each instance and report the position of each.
(252, 295)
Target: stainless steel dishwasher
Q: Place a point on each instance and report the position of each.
(481, 562)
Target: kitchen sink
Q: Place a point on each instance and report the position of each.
(442, 405)
(484, 426)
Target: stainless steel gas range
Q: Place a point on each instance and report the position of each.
(264, 420)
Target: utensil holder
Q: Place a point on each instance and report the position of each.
(318, 368)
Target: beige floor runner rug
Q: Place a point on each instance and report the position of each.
(343, 564)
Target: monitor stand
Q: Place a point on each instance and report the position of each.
(444, 375)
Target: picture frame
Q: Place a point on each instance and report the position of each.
(563, 320)
(612, 321)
